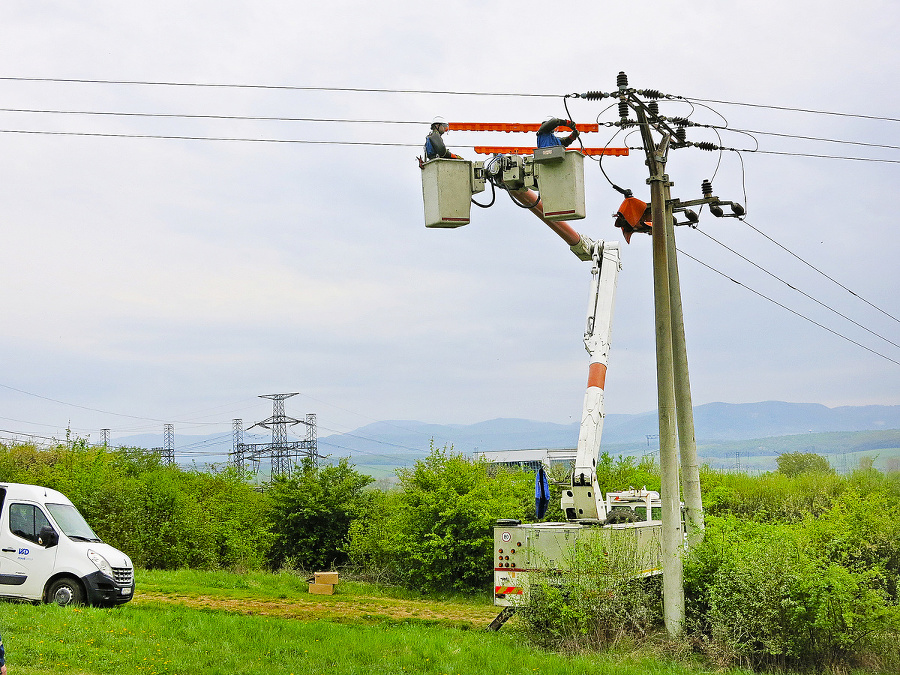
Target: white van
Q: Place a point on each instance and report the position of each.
(48, 552)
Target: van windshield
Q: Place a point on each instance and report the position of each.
(72, 523)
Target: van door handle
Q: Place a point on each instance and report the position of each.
(9, 550)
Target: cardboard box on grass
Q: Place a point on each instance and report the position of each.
(324, 583)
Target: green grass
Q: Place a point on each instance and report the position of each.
(155, 639)
(278, 586)
(150, 637)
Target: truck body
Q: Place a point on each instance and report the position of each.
(48, 552)
(629, 540)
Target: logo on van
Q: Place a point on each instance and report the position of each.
(23, 551)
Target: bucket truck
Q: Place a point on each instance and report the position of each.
(615, 522)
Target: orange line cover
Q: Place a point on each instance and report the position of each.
(498, 149)
(513, 126)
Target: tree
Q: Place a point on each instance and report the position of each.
(312, 512)
(795, 463)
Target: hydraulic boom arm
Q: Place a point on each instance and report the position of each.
(582, 499)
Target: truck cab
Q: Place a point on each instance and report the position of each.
(48, 552)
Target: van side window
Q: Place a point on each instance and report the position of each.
(26, 521)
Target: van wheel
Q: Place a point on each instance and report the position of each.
(64, 592)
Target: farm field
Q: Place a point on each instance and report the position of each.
(190, 623)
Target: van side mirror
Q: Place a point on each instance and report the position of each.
(48, 537)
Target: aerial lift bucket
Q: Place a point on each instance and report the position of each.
(447, 191)
(560, 179)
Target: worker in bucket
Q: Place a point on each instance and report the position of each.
(434, 144)
(547, 139)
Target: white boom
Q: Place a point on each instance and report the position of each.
(583, 500)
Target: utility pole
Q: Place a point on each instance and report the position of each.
(670, 492)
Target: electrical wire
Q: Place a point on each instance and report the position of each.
(785, 108)
(806, 154)
(792, 287)
(801, 137)
(219, 85)
(223, 85)
(252, 118)
(785, 307)
(816, 269)
(211, 138)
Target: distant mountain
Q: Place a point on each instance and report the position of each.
(742, 421)
(400, 442)
(713, 422)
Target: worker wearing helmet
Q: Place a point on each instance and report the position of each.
(547, 139)
(434, 144)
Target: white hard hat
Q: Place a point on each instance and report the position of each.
(439, 120)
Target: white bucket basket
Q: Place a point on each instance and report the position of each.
(560, 180)
(447, 192)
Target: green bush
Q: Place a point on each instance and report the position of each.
(795, 463)
(769, 595)
(438, 532)
(311, 513)
(162, 517)
(771, 497)
(595, 601)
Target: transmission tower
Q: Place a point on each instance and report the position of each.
(168, 450)
(104, 437)
(237, 444)
(283, 453)
(311, 446)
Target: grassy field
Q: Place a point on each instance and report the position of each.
(190, 623)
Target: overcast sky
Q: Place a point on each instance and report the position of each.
(152, 280)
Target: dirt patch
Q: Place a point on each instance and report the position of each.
(356, 609)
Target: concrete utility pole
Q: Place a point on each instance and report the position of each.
(670, 493)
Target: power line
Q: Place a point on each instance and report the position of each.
(757, 151)
(337, 120)
(222, 85)
(785, 108)
(799, 137)
(385, 144)
(278, 87)
(792, 287)
(99, 410)
(254, 118)
(816, 269)
(775, 302)
(209, 138)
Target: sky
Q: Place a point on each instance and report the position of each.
(151, 280)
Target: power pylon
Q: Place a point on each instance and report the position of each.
(283, 453)
(237, 444)
(168, 449)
